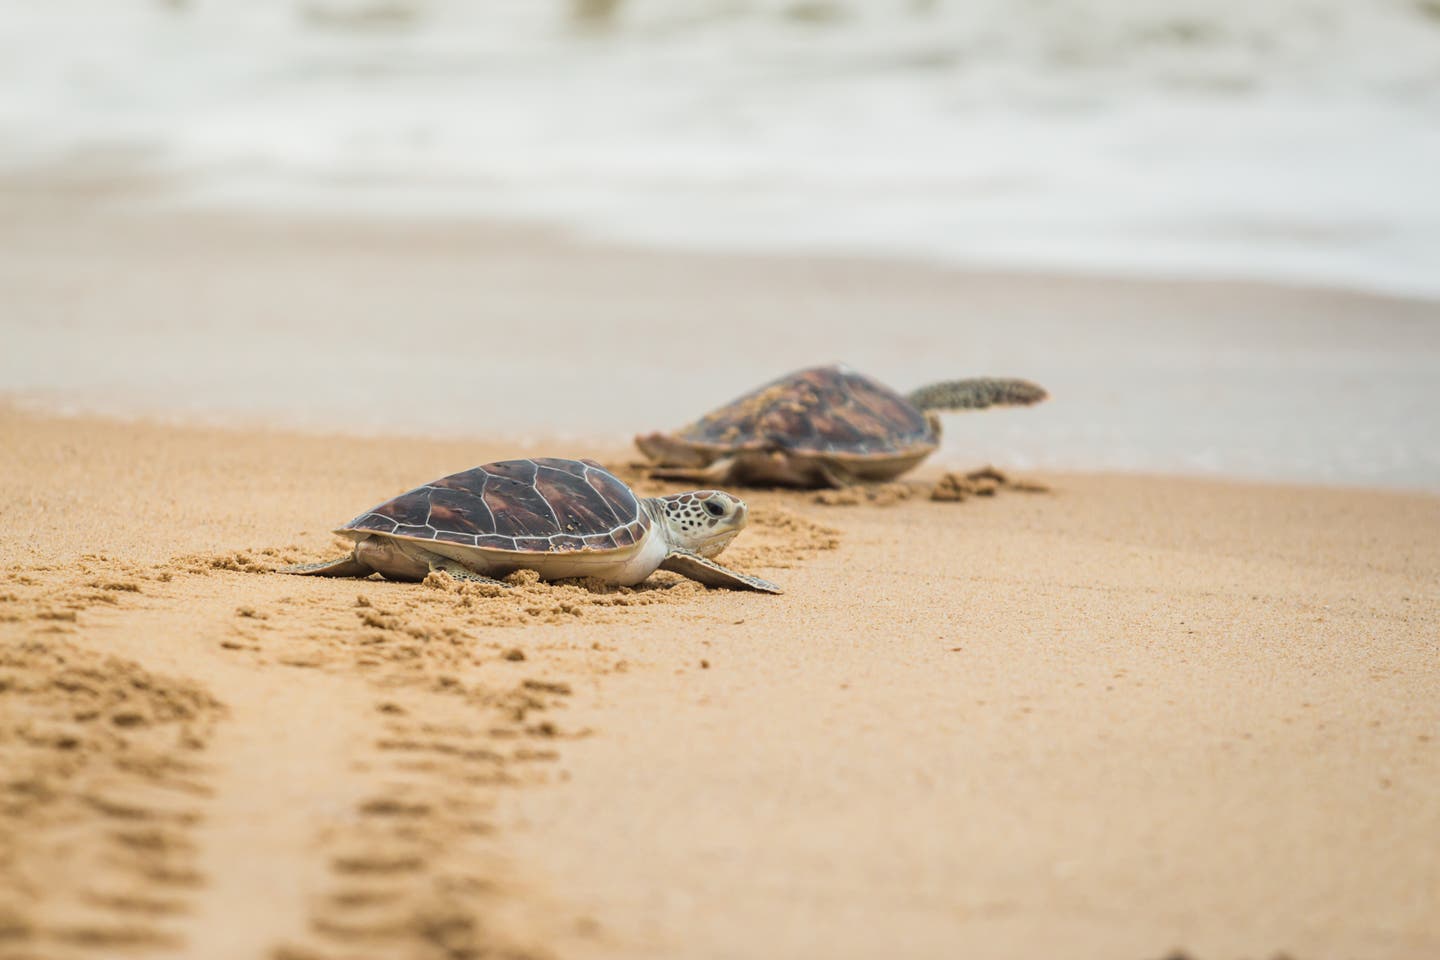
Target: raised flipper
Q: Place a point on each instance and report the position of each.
(977, 394)
(346, 566)
(463, 573)
(710, 573)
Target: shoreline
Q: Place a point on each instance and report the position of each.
(617, 449)
(452, 330)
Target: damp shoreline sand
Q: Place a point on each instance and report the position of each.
(120, 302)
(1127, 716)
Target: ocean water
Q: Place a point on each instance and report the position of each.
(1296, 140)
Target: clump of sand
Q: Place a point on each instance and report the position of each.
(778, 539)
(869, 494)
(952, 487)
(985, 482)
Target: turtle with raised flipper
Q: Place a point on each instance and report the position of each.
(822, 427)
(560, 518)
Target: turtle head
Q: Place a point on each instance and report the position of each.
(704, 521)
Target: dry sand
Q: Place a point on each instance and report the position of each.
(1127, 716)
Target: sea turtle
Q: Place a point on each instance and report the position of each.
(822, 427)
(560, 518)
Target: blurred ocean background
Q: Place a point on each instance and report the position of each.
(1296, 140)
(1043, 141)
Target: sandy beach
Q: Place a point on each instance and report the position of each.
(1127, 716)
(1123, 717)
(1132, 715)
(1156, 678)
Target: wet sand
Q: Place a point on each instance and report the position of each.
(115, 304)
(1127, 716)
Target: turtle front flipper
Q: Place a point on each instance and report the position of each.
(719, 472)
(710, 573)
(977, 393)
(666, 451)
(347, 566)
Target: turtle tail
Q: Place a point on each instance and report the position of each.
(977, 394)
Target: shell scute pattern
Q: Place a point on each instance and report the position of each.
(454, 510)
(831, 410)
(542, 505)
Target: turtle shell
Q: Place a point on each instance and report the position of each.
(545, 505)
(833, 411)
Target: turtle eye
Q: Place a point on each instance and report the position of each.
(714, 509)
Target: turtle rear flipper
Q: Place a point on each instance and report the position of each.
(711, 574)
(977, 393)
(458, 571)
(346, 566)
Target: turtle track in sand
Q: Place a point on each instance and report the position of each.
(444, 715)
(385, 782)
(104, 776)
(207, 843)
(369, 723)
(327, 791)
(412, 871)
(454, 711)
(103, 780)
